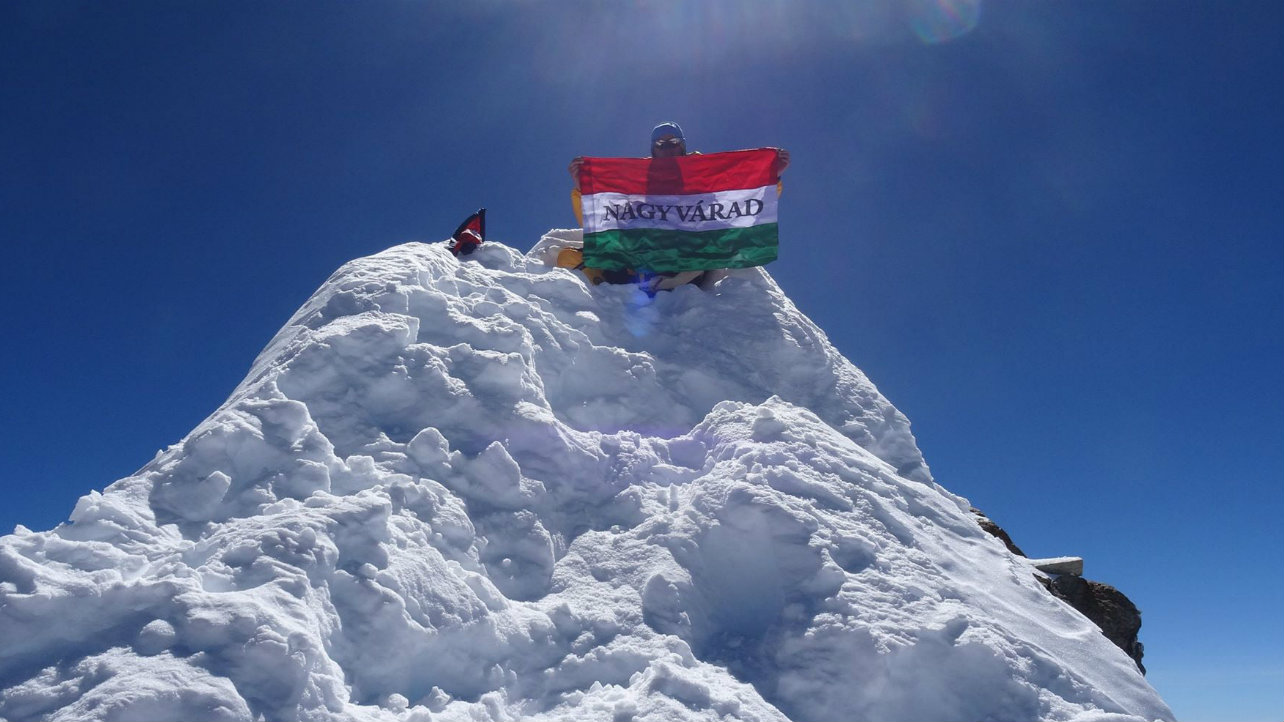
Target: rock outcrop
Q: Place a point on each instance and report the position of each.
(1107, 607)
(1104, 605)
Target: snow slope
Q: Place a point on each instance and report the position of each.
(486, 490)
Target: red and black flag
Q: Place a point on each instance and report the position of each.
(470, 234)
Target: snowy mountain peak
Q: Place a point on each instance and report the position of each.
(487, 490)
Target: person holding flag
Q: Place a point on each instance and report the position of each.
(676, 217)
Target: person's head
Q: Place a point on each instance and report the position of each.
(667, 141)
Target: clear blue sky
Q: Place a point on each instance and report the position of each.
(1055, 240)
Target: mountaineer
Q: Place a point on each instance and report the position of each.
(667, 141)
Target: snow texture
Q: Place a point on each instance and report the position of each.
(487, 491)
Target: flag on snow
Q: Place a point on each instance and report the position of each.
(470, 234)
(693, 212)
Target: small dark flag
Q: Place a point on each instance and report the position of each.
(470, 234)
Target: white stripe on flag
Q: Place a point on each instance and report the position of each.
(717, 211)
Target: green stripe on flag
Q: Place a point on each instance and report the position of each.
(666, 251)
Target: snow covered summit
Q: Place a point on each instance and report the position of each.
(485, 490)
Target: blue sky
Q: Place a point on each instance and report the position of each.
(1052, 233)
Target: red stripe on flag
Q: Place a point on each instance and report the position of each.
(732, 170)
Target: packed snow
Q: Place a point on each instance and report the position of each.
(486, 490)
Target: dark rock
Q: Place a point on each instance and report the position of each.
(1105, 606)
(994, 529)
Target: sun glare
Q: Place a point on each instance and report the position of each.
(938, 21)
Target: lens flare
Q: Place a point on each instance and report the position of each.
(939, 21)
(642, 313)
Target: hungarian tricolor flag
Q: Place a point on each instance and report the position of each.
(693, 212)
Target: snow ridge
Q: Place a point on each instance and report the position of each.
(487, 490)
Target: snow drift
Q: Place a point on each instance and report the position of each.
(487, 490)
